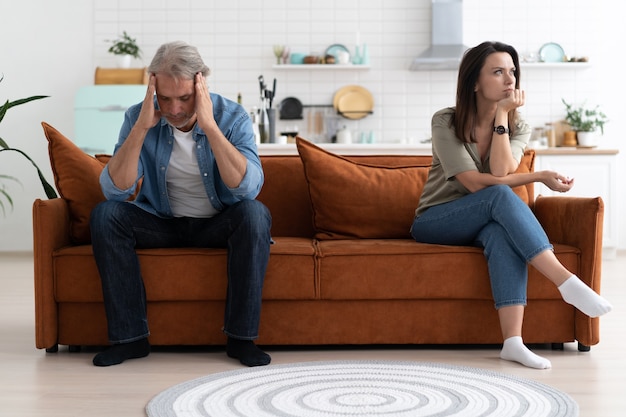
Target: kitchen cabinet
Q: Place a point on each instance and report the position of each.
(595, 174)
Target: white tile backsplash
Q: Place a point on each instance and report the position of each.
(236, 37)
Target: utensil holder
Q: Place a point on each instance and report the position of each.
(271, 119)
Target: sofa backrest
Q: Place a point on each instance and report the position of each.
(286, 193)
(286, 190)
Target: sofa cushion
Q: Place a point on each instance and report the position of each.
(402, 269)
(359, 200)
(290, 273)
(76, 176)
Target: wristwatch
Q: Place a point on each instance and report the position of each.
(501, 130)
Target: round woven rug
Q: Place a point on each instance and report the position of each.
(361, 388)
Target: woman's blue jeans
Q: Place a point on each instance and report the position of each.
(497, 220)
(118, 228)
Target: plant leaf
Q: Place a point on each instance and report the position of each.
(3, 109)
(48, 189)
(9, 104)
(8, 177)
(8, 198)
(25, 100)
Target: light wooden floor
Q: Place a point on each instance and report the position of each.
(63, 384)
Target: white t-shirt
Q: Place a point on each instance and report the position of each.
(185, 188)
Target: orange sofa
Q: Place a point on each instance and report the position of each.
(343, 269)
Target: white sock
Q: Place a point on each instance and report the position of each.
(578, 294)
(514, 350)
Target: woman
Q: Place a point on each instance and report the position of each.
(468, 200)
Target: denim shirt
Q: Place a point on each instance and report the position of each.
(235, 124)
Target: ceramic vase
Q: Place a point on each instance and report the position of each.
(569, 138)
(587, 139)
(123, 61)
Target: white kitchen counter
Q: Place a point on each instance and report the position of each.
(350, 149)
(408, 149)
(595, 175)
(576, 151)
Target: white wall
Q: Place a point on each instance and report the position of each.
(52, 48)
(46, 48)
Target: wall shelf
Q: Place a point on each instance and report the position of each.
(321, 67)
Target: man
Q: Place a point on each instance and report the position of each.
(195, 153)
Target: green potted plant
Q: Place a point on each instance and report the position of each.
(585, 122)
(4, 147)
(125, 48)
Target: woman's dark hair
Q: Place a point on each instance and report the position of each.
(469, 71)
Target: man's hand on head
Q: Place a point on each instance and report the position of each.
(204, 105)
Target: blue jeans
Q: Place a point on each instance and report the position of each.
(118, 228)
(497, 220)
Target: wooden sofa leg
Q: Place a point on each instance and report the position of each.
(583, 348)
(73, 348)
(558, 346)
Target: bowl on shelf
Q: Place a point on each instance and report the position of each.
(311, 59)
(296, 58)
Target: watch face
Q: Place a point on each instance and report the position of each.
(500, 130)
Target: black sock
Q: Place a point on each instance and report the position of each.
(117, 354)
(247, 352)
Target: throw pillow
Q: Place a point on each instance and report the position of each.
(76, 176)
(356, 200)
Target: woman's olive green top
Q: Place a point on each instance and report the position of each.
(451, 157)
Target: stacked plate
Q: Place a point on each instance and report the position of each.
(353, 102)
(551, 52)
(335, 50)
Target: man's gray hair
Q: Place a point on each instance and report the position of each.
(179, 60)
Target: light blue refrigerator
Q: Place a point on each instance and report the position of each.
(99, 113)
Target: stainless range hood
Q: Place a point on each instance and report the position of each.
(447, 47)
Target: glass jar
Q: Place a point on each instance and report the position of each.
(550, 134)
(536, 138)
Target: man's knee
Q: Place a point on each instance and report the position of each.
(104, 212)
(255, 214)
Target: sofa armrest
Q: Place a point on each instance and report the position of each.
(578, 222)
(575, 221)
(51, 231)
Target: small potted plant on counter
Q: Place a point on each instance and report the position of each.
(125, 48)
(585, 122)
